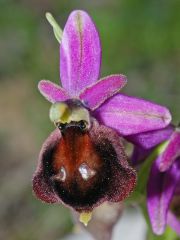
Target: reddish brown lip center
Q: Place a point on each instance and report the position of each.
(79, 169)
(76, 157)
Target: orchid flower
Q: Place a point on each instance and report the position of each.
(83, 163)
(163, 181)
(163, 195)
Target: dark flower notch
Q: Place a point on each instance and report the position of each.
(163, 191)
(83, 163)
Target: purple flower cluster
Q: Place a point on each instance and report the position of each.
(83, 162)
(163, 195)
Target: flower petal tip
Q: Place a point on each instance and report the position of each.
(96, 94)
(171, 153)
(80, 53)
(131, 115)
(158, 230)
(52, 92)
(167, 117)
(162, 167)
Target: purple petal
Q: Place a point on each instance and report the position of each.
(173, 222)
(129, 115)
(93, 96)
(171, 153)
(41, 186)
(52, 92)
(160, 191)
(80, 53)
(150, 139)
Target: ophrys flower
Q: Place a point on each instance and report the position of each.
(83, 162)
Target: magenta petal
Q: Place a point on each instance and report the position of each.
(80, 53)
(130, 115)
(173, 222)
(150, 139)
(171, 153)
(42, 187)
(52, 92)
(93, 96)
(161, 187)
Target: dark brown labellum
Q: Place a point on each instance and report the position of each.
(83, 168)
(76, 153)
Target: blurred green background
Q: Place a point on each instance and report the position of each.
(140, 39)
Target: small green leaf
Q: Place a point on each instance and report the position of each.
(56, 28)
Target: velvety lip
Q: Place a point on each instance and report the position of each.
(101, 149)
